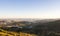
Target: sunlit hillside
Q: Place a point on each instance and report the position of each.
(26, 34)
(9, 33)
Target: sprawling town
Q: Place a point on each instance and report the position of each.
(31, 27)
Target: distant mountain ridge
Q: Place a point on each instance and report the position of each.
(25, 22)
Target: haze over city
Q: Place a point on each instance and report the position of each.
(29, 17)
(30, 9)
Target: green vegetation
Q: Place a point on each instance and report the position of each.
(51, 28)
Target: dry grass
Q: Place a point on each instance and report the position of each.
(26, 34)
(9, 33)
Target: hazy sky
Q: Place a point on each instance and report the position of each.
(29, 8)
